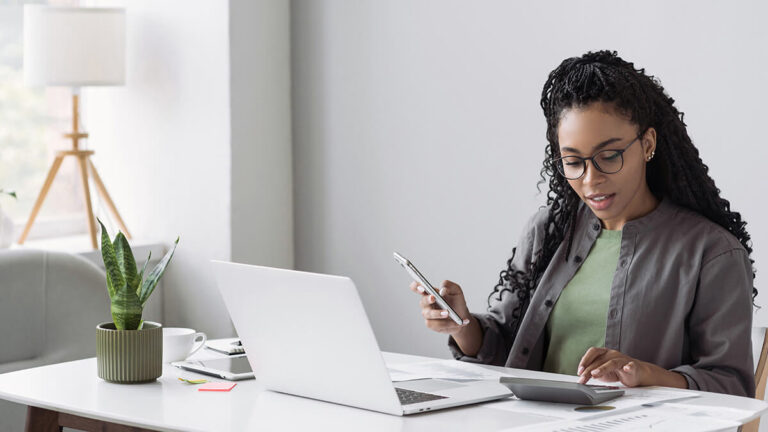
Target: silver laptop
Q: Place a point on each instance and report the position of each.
(307, 334)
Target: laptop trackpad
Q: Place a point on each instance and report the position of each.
(428, 385)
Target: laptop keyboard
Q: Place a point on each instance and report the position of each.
(408, 397)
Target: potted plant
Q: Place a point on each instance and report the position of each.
(6, 224)
(128, 349)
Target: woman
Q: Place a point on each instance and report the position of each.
(636, 270)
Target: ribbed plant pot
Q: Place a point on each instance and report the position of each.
(129, 356)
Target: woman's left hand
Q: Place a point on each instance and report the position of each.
(609, 365)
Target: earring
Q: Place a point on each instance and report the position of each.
(651, 156)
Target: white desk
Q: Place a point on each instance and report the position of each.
(74, 390)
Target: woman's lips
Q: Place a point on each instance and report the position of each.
(602, 204)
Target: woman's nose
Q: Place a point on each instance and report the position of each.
(591, 174)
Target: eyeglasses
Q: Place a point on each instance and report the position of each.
(606, 161)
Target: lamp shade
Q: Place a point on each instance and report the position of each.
(72, 46)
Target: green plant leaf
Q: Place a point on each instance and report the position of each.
(125, 260)
(110, 262)
(126, 309)
(110, 288)
(141, 275)
(154, 276)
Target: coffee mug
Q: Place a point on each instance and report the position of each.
(179, 343)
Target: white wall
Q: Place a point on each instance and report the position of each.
(417, 128)
(198, 142)
(163, 147)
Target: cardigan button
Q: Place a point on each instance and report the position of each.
(525, 351)
(548, 303)
(577, 259)
(596, 226)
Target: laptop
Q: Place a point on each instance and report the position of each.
(307, 334)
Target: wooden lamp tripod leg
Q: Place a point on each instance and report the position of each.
(105, 196)
(41, 197)
(83, 161)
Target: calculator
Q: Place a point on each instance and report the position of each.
(560, 391)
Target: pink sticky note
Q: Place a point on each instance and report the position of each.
(217, 386)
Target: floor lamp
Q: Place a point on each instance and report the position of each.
(74, 47)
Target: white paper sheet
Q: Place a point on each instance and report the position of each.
(633, 397)
(398, 375)
(724, 413)
(442, 369)
(660, 418)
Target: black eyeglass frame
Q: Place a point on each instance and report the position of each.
(559, 161)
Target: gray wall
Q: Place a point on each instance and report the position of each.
(417, 128)
(260, 96)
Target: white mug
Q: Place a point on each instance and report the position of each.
(178, 343)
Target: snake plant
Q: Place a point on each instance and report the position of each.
(128, 288)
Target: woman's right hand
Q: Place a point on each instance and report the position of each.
(434, 317)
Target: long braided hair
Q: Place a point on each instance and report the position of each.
(603, 76)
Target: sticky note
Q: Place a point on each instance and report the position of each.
(191, 381)
(217, 386)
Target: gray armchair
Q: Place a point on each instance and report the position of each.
(50, 304)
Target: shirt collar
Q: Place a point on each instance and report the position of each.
(653, 219)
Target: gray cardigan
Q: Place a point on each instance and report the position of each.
(681, 298)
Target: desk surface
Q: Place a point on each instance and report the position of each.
(169, 404)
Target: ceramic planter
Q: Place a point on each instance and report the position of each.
(129, 356)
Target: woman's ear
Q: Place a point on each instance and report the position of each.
(649, 144)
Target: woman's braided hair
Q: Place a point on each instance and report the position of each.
(603, 76)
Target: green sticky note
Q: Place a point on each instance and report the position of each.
(194, 381)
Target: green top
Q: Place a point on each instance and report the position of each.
(579, 317)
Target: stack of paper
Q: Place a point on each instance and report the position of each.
(663, 418)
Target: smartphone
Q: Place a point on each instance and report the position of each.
(230, 368)
(418, 277)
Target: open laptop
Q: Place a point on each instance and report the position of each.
(307, 334)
